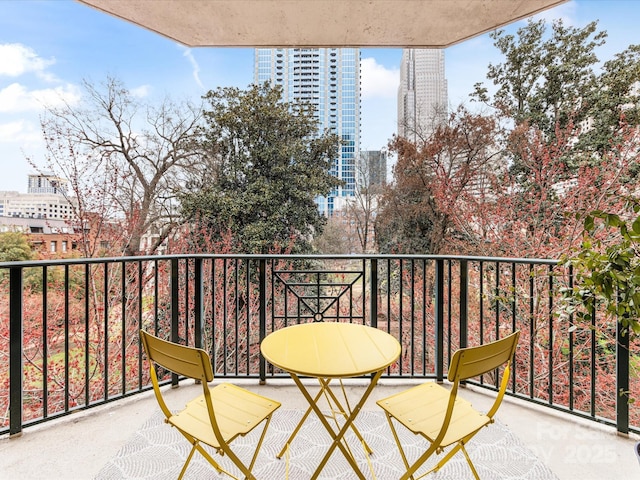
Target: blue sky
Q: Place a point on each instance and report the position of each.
(47, 47)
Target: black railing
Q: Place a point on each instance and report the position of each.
(69, 328)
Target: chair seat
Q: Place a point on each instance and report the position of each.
(422, 410)
(237, 412)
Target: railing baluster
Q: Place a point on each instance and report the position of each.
(124, 300)
(105, 331)
(137, 336)
(550, 320)
(262, 318)
(532, 333)
(374, 292)
(175, 309)
(45, 344)
(449, 309)
(571, 345)
(247, 289)
(412, 299)
(225, 309)
(15, 351)
(439, 316)
(464, 303)
(622, 378)
(87, 274)
(66, 338)
(593, 361)
(514, 307)
(497, 296)
(424, 316)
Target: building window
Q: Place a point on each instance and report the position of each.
(54, 246)
(64, 245)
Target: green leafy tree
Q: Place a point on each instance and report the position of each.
(544, 75)
(545, 79)
(608, 272)
(14, 247)
(614, 103)
(265, 163)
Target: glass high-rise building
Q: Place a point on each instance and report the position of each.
(422, 93)
(330, 79)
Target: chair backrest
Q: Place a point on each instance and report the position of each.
(474, 361)
(187, 361)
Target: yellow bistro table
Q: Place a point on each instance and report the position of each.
(327, 351)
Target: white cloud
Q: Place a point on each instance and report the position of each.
(17, 59)
(141, 91)
(377, 80)
(194, 64)
(16, 98)
(19, 131)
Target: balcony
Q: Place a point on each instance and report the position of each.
(72, 362)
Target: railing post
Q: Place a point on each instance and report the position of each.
(622, 378)
(175, 310)
(15, 351)
(262, 318)
(439, 314)
(197, 303)
(374, 293)
(464, 303)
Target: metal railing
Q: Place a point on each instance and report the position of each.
(69, 328)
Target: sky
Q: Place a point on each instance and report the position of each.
(49, 47)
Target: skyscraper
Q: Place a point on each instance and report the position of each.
(373, 168)
(422, 94)
(330, 79)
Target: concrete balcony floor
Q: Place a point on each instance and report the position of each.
(79, 445)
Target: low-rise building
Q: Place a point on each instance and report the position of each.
(47, 236)
(45, 198)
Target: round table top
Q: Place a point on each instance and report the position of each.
(330, 349)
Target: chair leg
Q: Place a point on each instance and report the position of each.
(473, 469)
(207, 457)
(458, 446)
(447, 457)
(212, 461)
(418, 463)
(395, 437)
(186, 463)
(264, 432)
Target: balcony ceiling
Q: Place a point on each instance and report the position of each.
(321, 23)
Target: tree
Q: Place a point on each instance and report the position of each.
(334, 239)
(615, 102)
(544, 81)
(125, 160)
(358, 218)
(14, 247)
(419, 212)
(265, 163)
(608, 272)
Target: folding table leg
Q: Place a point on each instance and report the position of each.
(337, 437)
(298, 427)
(325, 383)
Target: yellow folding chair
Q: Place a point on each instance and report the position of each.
(219, 415)
(439, 415)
